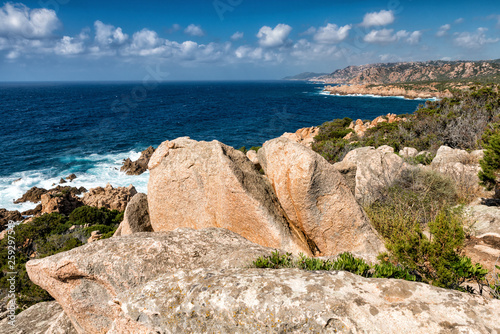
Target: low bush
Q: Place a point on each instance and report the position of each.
(344, 262)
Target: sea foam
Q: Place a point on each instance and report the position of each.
(92, 171)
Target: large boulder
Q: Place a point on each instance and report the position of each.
(462, 167)
(109, 197)
(140, 165)
(41, 318)
(317, 200)
(375, 170)
(197, 281)
(90, 282)
(136, 217)
(63, 203)
(209, 184)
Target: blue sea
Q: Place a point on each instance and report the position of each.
(50, 130)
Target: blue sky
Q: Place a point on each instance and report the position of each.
(64, 40)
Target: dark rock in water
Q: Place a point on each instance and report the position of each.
(46, 318)
(32, 195)
(71, 177)
(34, 211)
(140, 165)
(61, 181)
(6, 216)
(17, 180)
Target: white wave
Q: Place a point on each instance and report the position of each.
(95, 171)
(379, 96)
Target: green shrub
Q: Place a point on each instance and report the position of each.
(275, 261)
(437, 259)
(344, 262)
(490, 164)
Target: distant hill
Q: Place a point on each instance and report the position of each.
(387, 73)
(305, 76)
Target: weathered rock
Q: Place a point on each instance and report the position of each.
(136, 217)
(195, 281)
(386, 149)
(61, 181)
(32, 195)
(484, 245)
(374, 170)
(460, 166)
(140, 165)
(304, 136)
(6, 216)
(94, 236)
(408, 152)
(89, 281)
(41, 318)
(209, 184)
(63, 203)
(109, 197)
(317, 200)
(71, 177)
(252, 156)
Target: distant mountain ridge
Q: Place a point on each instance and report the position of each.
(437, 70)
(305, 76)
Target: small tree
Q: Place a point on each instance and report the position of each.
(490, 164)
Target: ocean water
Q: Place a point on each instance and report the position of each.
(50, 130)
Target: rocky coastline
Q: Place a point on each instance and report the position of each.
(427, 92)
(181, 258)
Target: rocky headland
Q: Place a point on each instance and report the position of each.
(423, 91)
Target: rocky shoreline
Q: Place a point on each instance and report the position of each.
(181, 259)
(387, 91)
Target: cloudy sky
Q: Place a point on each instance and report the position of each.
(68, 40)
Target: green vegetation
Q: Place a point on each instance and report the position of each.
(253, 148)
(425, 201)
(457, 122)
(345, 262)
(47, 235)
(490, 164)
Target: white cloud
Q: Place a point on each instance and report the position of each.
(106, 34)
(380, 36)
(66, 46)
(474, 40)
(236, 36)
(194, 30)
(443, 30)
(19, 20)
(332, 34)
(414, 37)
(382, 18)
(271, 38)
(459, 20)
(386, 36)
